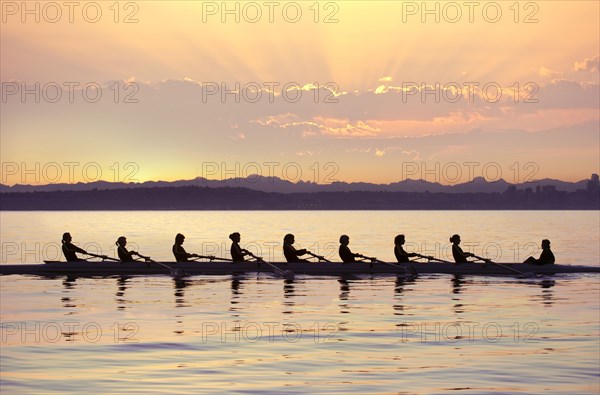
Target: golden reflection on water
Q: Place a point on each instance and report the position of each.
(352, 334)
(367, 332)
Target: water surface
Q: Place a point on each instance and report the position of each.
(327, 335)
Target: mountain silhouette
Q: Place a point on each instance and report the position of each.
(278, 185)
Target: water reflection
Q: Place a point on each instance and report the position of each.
(457, 284)
(121, 288)
(547, 292)
(179, 285)
(399, 290)
(457, 287)
(236, 293)
(68, 301)
(289, 291)
(344, 295)
(546, 295)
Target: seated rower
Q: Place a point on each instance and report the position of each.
(346, 255)
(546, 257)
(70, 250)
(290, 252)
(124, 255)
(401, 255)
(180, 253)
(237, 252)
(459, 255)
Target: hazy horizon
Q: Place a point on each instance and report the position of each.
(254, 177)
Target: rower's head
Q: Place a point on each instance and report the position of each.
(399, 240)
(289, 239)
(455, 239)
(121, 241)
(344, 240)
(545, 244)
(66, 238)
(235, 237)
(179, 239)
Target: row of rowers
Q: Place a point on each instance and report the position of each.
(238, 254)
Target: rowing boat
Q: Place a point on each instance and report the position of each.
(107, 268)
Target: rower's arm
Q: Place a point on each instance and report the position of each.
(79, 250)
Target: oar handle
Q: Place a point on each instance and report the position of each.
(213, 258)
(372, 259)
(320, 257)
(258, 258)
(103, 257)
(288, 274)
(432, 258)
(501, 265)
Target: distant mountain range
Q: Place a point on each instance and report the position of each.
(274, 184)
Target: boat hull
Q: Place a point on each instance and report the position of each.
(107, 268)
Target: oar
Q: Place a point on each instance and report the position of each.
(212, 258)
(104, 257)
(320, 257)
(373, 259)
(431, 258)
(486, 260)
(174, 272)
(288, 274)
(406, 271)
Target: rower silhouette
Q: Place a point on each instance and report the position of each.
(346, 255)
(237, 252)
(546, 257)
(70, 250)
(401, 255)
(124, 254)
(290, 252)
(459, 255)
(180, 253)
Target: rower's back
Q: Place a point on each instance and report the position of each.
(180, 253)
(345, 254)
(236, 252)
(69, 250)
(458, 254)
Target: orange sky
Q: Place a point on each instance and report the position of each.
(527, 76)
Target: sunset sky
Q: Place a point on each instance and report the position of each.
(385, 92)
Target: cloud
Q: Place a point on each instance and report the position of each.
(320, 125)
(239, 136)
(307, 153)
(591, 65)
(546, 72)
(359, 150)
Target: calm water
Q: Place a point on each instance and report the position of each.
(249, 334)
